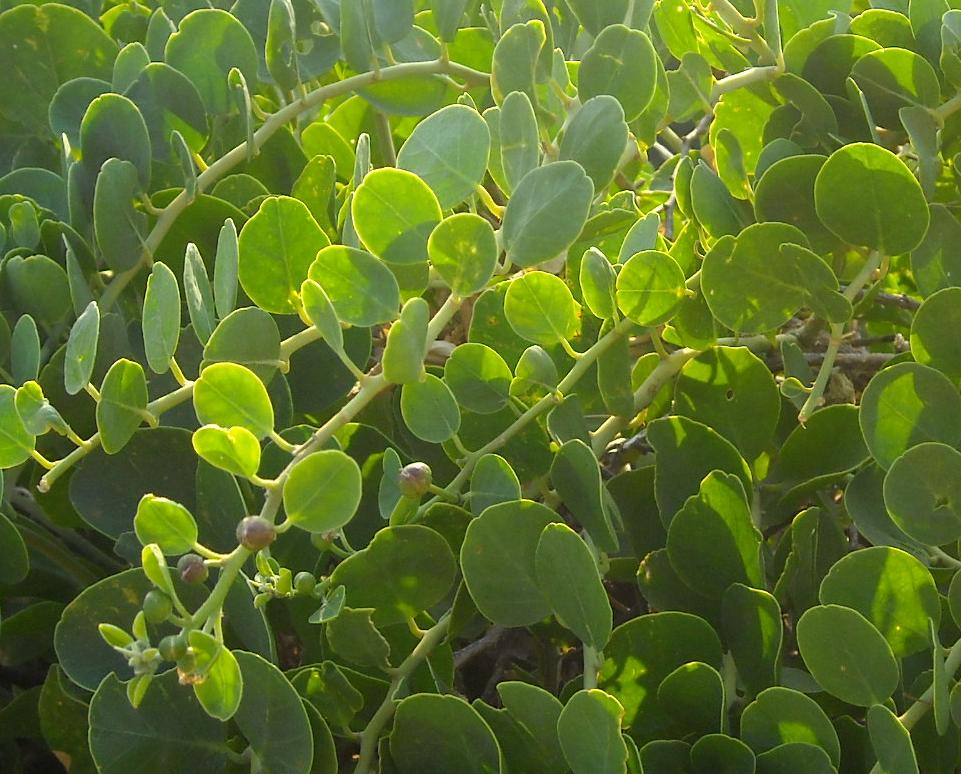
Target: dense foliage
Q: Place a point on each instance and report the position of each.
(443, 386)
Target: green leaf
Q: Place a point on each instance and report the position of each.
(905, 405)
(122, 405)
(248, 337)
(322, 491)
(719, 752)
(713, 206)
(234, 449)
(226, 269)
(641, 653)
(893, 78)
(891, 742)
(712, 542)
(169, 103)
(120, 228)
(686, 452)
(161, 318)
(621, 62)
(16, 563)
(922, 492)
(320, 312)
(785, 194)
(848, 657)
(424, 719)
(546, 212)
(596, 139)
(492, 481)
(752, 627)
(463, 251)
(207, 44)
(276, 248)
(406, 348)
(569, 578)
(281, 49)
(479, 378)
(272, 717)
(498, 562)
(354, 637)
(113, 127)
(597, 279)
(694, 695)
(38, 415)
(577, 479)
(403, 571)
(890, 588)
(650, 286)
(795, 756)
(781, 716)
(169, 725)
(867, 196)
(931, 341)
(230, 395)
(220, 692)
(520, 147)
(63, 43)
(515, 59)
(25, 350)
(746, 269)
(430, 409)
(448, 150)
(394, 212)
(731, 390)
(540, 308)
(362, 289)
(589, 729)
(39, 287)
(82, 349)
(166, 523)
(200, 299)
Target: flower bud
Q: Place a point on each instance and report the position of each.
(304, 583)
(414, 480)
(255, 533)
(157, 607)
(192, 569)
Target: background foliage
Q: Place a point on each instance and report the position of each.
(532, 386)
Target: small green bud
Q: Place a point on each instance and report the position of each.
(173, 647)
(414, 480)
(255, 533)
(157, 607)
(304, 583)
(192, 569)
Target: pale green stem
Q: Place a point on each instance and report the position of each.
(228, 573)
(371, 734)
(271, 126)
(744, 78)
(851, 292)
(372, 386)
(581, 367)
(920, 707)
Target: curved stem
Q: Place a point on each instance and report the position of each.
(239, 154)
(371, 734)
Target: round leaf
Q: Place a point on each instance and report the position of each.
(650, 287)
(498, 559)
(362, 289)
(234, 449)
(230, 395)
(905, 405)
(540, 308)
(933, 341)
(430, 410)
(277, 247)
(922, 492)
(463, 250)
(621, 62)
(479, 378)
(846, 655)
(123, 404)
(323, 491)
(448, 150)
(589, 730)
(166, 523)
(394, 212)
(867, 196)
(890, 588)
